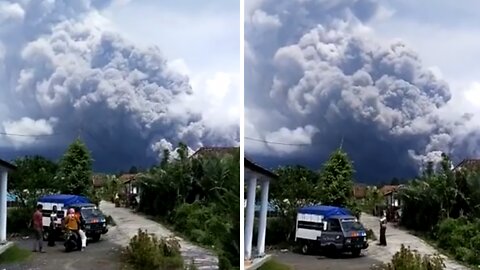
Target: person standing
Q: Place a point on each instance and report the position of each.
(383, 229)
(52, 235)
(38, 229)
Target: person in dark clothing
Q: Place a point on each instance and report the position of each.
(52, 235)
(383, 229)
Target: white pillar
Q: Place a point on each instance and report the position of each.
(262, 225)
(3, 206)
(250, 217)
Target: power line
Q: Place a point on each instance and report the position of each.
(278, 143)
(28, 135)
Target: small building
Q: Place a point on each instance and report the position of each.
(130, 183)
(393, 202)
(256, 175)
(5, 168)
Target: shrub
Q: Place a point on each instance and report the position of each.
(407, 259)
(371, 235)
(147, 252)
(19, 219)
(461, 238)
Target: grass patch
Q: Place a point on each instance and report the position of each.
(15, 255)
(274, 265)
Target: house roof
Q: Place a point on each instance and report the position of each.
(258, 169)
(387, 189)
(469, 163)
(125, 178)
(215, 151)
(7, 165)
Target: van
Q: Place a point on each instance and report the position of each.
(94, 218)
(329, 228)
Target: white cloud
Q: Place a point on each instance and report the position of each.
(28, 128)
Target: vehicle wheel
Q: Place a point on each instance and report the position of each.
(305, 248)
(96, 237)
(356, 252)
(45, 235)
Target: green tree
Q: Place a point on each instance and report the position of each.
(34, 175)
(75, 170)
(133, 170)
(296, 186)
(336, 179)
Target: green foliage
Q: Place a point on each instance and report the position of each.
(373, 198)
(200, 197)
(337, 180)
(407, 259)
(147, 252)
(445, 204)
(371, 235)
(295, 187)
(34, 174)
(18, 219)
(75, 170)
(274, 265)
(110, 188)
(15, 254)
(461, 238)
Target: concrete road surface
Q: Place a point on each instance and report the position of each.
(102, 255)
(319, 262)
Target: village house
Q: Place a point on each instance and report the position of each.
(256, 175)
(5, 168)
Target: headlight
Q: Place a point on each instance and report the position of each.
(104, 225)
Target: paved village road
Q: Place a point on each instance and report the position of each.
(395, 238)
(103, 255)
(319, 262)
(128, 224)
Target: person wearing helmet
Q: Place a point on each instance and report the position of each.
(72, 222)
(81, 228)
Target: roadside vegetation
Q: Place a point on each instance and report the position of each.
(199, 198)
(274, 265)
(14, 254)
(444, 206)
(147, 252)
(407, 259)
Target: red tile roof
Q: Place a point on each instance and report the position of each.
(470, 163)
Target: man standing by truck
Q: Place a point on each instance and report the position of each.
(37, 222)
(52, 235)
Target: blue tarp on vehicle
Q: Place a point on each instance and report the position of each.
(325, 210)
(65, 199)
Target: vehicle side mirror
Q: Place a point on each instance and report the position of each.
(324, 225)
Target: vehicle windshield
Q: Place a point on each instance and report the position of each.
(350, 225)
(91, 212)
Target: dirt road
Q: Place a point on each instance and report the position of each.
(100, 255)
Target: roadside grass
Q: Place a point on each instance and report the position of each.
(15, 255)
(274, 265)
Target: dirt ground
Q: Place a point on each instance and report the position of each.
(98, 255)
(320, 262)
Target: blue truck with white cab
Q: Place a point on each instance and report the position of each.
(329, 228)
